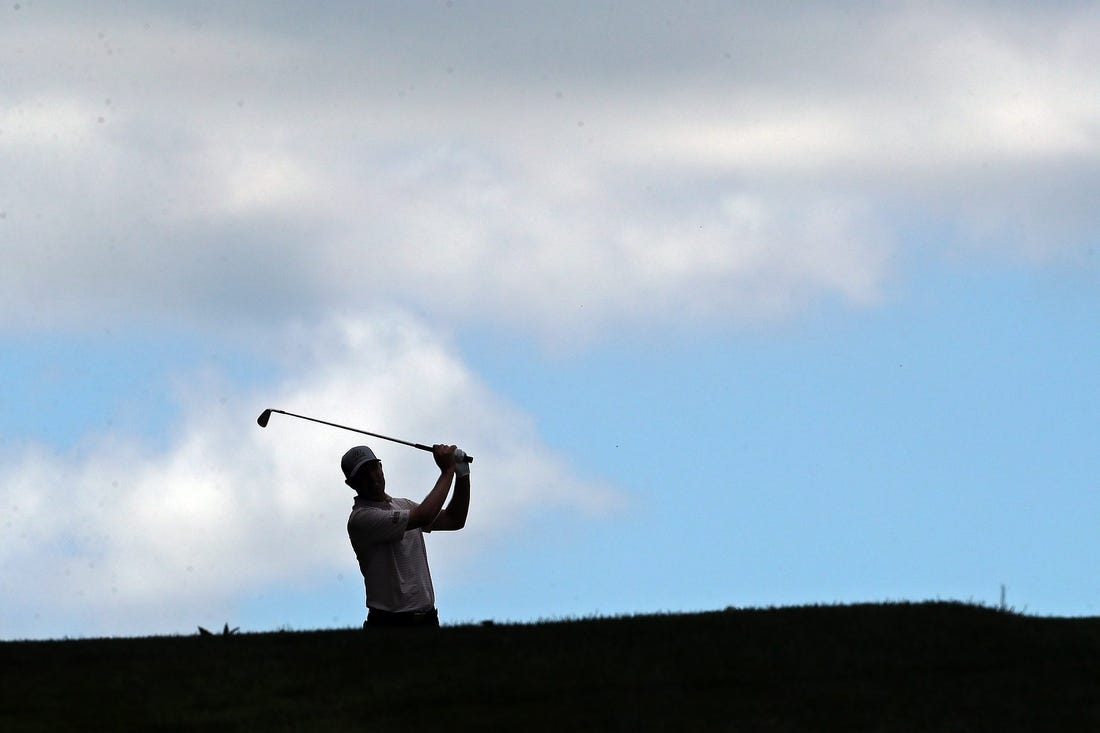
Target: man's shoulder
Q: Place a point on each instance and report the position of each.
(376, 521)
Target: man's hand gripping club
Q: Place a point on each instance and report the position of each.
(430, 512)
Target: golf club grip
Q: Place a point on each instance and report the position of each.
(469, 459)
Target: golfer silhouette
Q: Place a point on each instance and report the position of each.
(387, 535)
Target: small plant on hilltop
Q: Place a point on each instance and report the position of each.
(225, 631)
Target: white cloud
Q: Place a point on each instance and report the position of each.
(121, 539)
(176, 166)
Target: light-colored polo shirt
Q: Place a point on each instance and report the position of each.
(393, 561)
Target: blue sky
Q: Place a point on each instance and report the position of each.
(735, 307)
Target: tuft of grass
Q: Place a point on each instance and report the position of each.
(225, 631)
(868, 667)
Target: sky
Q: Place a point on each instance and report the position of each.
(735, 305)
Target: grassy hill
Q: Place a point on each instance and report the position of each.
(894, 667)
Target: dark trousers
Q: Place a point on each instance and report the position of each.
(377, 619)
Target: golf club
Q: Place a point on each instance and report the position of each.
(266, 415)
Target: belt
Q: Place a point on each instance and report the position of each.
(402, 619)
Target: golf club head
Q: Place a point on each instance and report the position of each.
(263, 418)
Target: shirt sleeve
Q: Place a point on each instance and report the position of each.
(378, 526)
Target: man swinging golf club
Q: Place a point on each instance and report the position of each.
(387, 534)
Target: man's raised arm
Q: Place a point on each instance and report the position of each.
(426, 513)
(454, 516)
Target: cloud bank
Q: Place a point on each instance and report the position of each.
(558, 176)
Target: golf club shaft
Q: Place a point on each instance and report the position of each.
(263, 418)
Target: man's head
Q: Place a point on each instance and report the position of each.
(363, 470)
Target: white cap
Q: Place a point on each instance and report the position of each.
(354, 459)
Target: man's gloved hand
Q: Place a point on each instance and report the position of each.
(462, 466)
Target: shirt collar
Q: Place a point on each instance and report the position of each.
(364, 501)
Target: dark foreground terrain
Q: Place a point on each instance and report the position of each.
(898, 667)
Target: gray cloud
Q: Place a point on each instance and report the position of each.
(548, 168)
